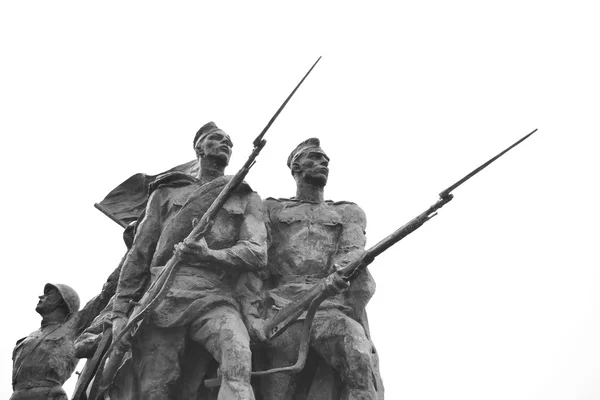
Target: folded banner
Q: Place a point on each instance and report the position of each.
(125, 203)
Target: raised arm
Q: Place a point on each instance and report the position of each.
(84, 318)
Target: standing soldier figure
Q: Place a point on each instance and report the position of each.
(309, 238)
(45, 359)
(201, 305)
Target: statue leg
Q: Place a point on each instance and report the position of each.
(281, 352)
(223, 333)
(342, 342)
(155, 361)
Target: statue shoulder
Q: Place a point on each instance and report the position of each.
(242, 189)
(272, 207)
(18, 346)
(272, 203)
(349, 212)
(171, 179)
(20, 341)
(280, 202)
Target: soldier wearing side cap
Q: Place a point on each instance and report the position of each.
(45, 359)
(202, 306)
(309, 238)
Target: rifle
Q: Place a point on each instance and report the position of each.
(329, 285)
(320, 291)
(159, 289)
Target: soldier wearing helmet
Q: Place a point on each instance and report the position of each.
(45, 359)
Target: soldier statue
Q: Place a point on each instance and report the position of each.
(309, 238)
(201, 306)
(45, 359)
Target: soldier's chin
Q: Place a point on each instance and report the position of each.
(221, 159)
(316, 179)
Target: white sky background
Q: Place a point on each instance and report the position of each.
(496, 298)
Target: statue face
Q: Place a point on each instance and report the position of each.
(218, 146)
(49, 301)
(312, 167)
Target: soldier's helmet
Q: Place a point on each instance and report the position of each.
(68, 294)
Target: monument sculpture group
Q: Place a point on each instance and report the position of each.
(221, 295)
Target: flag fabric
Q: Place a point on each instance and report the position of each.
(125, 203)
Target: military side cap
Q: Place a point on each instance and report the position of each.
(312, 143)
(205, 131)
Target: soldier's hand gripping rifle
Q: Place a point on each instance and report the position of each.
(160, 287)
(311, 300)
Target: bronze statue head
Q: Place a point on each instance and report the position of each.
(210, 141)
(55, 296)
(309, 163)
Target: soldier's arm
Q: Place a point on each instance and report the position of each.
(351, 245)
(135, 272)
(86, 343)
(352, 239)
(250, 252)
(16, 365)
(84, 318)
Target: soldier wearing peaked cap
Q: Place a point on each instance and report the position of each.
(309, 238)
(45, 359)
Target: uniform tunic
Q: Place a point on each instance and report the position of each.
(168, 220)
(306, 240)
(201, 306)
(44, 360)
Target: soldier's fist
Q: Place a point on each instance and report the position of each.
(193, 252)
